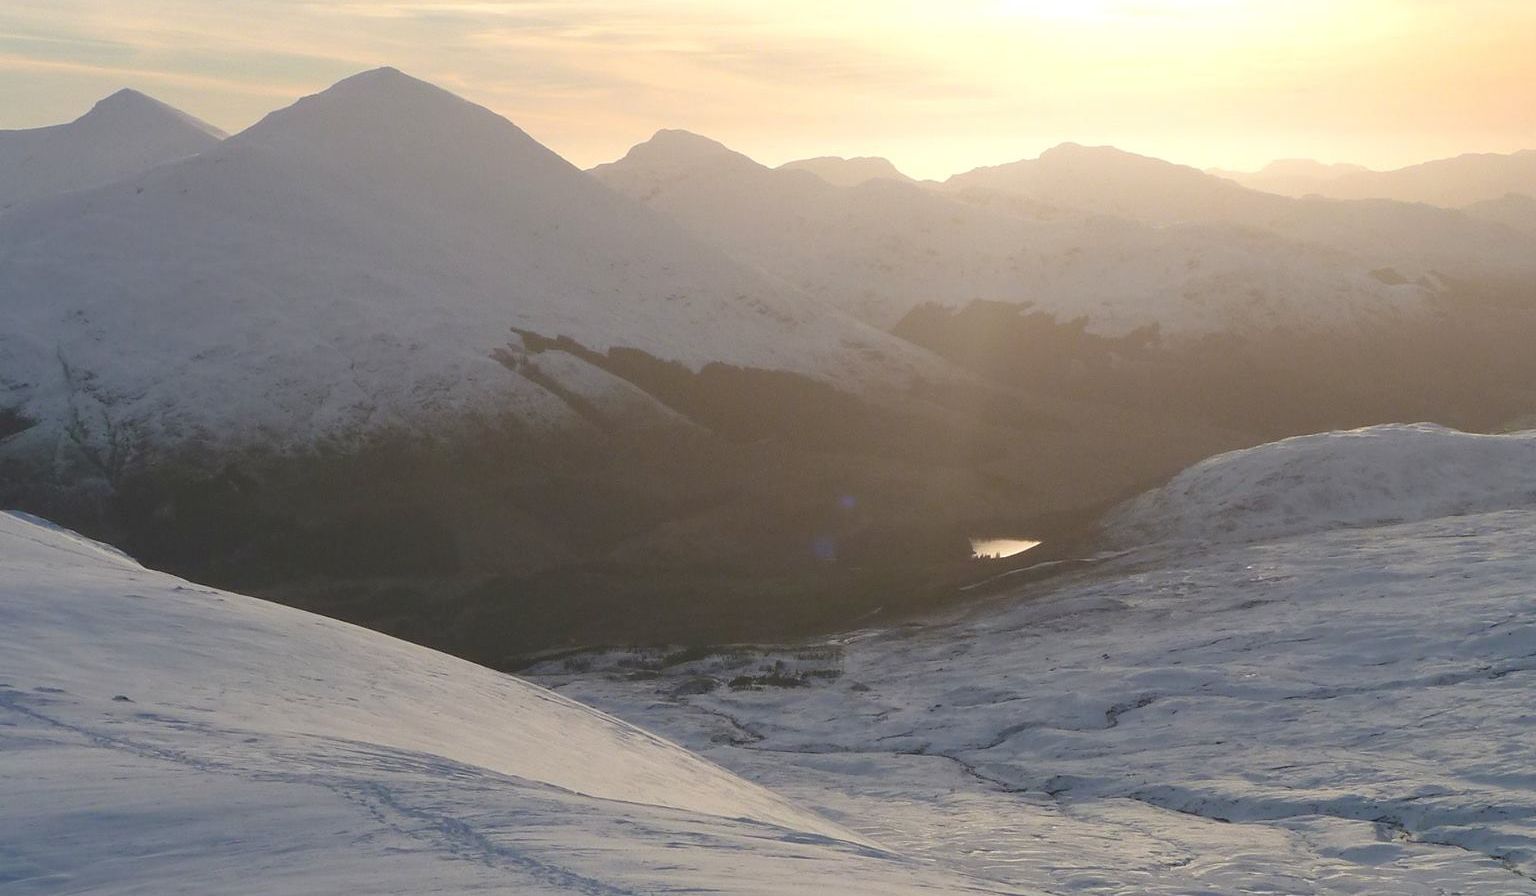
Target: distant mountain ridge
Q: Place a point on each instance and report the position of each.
(1123, 241)
(843, 172)
(1418, 239)
(1450, 183)
(121, 135)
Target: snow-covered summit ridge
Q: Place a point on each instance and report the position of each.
(122, 135)
(1377, 475)
(343, 268)
(132, 108)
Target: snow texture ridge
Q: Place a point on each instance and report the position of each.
(1364, 477)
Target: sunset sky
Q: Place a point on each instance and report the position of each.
(938, 87)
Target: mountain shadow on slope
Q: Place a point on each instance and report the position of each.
(1468, 365)
(782, 507)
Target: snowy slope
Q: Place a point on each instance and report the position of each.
(1381, 474)
(122, 135)
(1332, 714)
(341, 267)
(160, 737)
(882, 248)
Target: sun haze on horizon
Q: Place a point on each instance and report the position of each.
(938, 87)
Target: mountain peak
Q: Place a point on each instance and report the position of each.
(385, 79)
(680, 142)
(386, 117)
(131, 108)
(1077, 152)
(381, 88)
(672, 148)
(126, 98)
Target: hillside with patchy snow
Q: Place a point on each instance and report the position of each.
(122, 135)
(341, 268)
(1366, 477)
(161, 737)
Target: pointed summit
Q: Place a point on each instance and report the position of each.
(386, 125)
(128, 108)
(388, 84)
(121, 135)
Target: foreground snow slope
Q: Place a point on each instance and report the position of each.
(159, 737)
(1342, 712)
(1380, 474)
(122, 135)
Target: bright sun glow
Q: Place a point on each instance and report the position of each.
(939, 86)
(1101, 10)
(998, 548)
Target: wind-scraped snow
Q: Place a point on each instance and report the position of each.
(1364, 477)
(160, 737)
(1334, 713)
(122, 135)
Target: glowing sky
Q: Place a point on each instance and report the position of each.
(937, 85)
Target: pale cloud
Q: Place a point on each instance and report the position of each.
(938, 84)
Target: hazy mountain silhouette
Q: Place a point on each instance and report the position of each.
(883, 248)
(843, 172)
(1451, 183)
(1414, 238)
(1290, 177)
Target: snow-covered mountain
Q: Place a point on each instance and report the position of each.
(1452, 183)
(122, 135)
(842, 172)
(1365, 477)
(1415, 240)
(353, 262)
(882, 248)
(1339, 712)
(1111, 181)
(161, 737)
